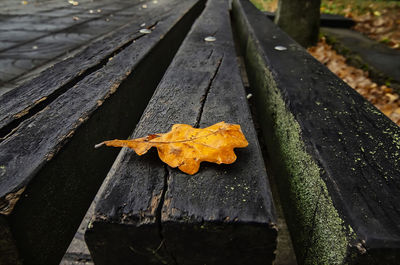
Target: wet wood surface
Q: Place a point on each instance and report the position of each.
(336, 156)
(37, 34)
(152, 214)
(48, 161)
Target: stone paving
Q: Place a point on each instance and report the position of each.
(36, 34)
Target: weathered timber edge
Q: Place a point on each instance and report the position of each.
(29, 98)
(49, 170)
(150, 213)
(336, 156)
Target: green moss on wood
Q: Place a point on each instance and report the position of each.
(319, 234)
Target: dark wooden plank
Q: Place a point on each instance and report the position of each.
(49, 171)
(336, 156)
(150, 213)
(29, 98)
(55, 21)
(224, 214)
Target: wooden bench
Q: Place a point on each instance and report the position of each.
(150, 213)
(49, 172)
(335, 156)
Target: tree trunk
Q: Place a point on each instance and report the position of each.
(300, 19)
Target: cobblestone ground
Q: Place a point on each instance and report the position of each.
(36, 34)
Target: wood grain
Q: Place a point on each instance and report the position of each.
(150, 213)
(20, 102)
(335, 155)
(49, 161)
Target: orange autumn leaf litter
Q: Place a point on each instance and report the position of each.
(383, 97)
(186, 147)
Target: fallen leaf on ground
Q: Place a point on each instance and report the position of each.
(381, 26)
(186, 147)
(383, 97)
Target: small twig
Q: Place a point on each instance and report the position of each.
(99, 145)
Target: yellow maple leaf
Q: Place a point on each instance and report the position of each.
(186, 147)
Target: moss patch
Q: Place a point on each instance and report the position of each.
(319, 234)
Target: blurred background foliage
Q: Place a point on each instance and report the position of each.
(379, 20)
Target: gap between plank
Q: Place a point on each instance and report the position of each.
(204, 97)
(167, 176)
(10, 128)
